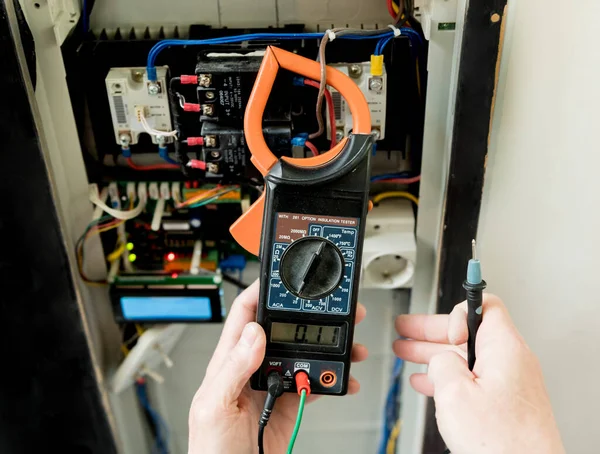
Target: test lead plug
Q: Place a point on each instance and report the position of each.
(474, 286)
(274, 390)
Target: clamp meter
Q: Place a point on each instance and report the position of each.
(308, 229)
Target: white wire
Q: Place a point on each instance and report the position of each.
(152, 131)
(123, 215)
(181, 99)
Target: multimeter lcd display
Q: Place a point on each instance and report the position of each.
(294, 333)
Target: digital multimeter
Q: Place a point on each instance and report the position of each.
(308, 228)
(311, 248)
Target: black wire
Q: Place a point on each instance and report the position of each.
(232, 280)
(181, 157)
(261, 434)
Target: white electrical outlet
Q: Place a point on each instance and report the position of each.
(130, 94)
(390, 249)
(375, 90)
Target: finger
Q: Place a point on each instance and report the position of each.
(458, 332)
(353, 386)
(243, 360)
(243, 311)
(431, 328)
(361, 313)
(495, 319)
(449, 369)
(495, 312)
(359, 353)
(421, 384)
(421, 352)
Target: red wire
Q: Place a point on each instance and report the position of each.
(312, 148)
(134, 166)
(401, 180)
(108, 224)
(390, 9)
(330, 108)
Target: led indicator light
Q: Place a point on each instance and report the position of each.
(170, 256)
(132, 257)
(129, 246)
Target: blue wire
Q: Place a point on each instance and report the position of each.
(162, 431)
(84, 18)
(158, 47)
(381, 45)
(389, 176)
(164, 154)
(391, 413)
(169, 160)
(404, 31)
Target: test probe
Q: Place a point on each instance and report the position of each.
(474, 285)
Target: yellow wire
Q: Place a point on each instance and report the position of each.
(396, 9)
(139, 329)
(395, 194)
(391, 444)
(124, 349)
(114, 255)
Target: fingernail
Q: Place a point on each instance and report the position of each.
(249, 334)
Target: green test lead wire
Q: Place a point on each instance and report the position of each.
(298, 422)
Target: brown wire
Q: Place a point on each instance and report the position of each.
(323, 81)
(401, 7)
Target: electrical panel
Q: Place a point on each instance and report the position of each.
(169, 140)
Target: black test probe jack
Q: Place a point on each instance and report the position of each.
(474, 286)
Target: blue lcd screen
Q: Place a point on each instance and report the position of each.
(166, 308)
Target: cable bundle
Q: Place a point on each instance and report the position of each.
(392, 423)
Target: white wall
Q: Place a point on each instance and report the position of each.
(540, 225)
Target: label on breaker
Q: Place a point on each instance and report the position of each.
(341, 231)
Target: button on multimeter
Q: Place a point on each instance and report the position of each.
(311, 268)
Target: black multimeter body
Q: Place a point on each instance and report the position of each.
(311, 247)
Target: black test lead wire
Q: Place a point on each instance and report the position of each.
(275, 389)
(474, 286)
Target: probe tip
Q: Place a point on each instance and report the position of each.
(474, 249)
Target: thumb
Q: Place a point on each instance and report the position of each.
(243, 360)
(449, 369)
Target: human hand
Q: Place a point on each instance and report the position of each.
(500, 407)
(225, 411)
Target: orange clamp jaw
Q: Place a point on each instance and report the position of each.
(247, 229)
